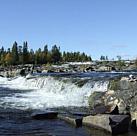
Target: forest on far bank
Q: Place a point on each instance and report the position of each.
(17, 55)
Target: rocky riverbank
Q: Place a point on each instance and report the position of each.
(70, 67)
(119, 99)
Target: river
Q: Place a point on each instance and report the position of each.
(65, 93)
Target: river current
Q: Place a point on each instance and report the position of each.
(65, 93)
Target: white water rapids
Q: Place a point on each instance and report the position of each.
(48, 92)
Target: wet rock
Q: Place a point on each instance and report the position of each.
(133, 125)
(22, 72)
(115, 111)
(115, 124)
(134, 120)
(104, 102)
(122, 93)
(100, 109)
(82, 114)
(119, 123)
(39, 71)
(45, 115)
(76, 121)
(95, 99)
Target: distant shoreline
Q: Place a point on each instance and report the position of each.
(69, 67)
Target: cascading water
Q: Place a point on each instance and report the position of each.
(49, 92)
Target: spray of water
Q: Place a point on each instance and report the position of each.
(48, 92)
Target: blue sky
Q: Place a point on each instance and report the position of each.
(97, 27)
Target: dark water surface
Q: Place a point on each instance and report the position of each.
(19, 123)
(16, 122)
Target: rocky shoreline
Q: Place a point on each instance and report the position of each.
(69, 67)
(119, 99)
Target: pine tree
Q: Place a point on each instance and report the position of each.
(45, 55)
(20, 55)
(55, 54)
(15, 56)
(31, 59)
(25, 53)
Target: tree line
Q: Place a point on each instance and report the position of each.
(17, 55)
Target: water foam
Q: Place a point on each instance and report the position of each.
(47, 92)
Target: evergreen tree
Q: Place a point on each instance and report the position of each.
(21, 55)
(102, 57)
(46, 49)
(31, 57)
(106, 57)
(20, 52)
(15, 56)
(45, 55)
(2, 56)
(55, 54)
(25, 53)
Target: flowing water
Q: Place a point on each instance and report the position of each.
(22, 96)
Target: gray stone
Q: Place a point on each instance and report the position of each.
(95, 99)
(45, 115)
(125, 95)
(134, 125)
(115, 124)
(119, 124)
(77, 122)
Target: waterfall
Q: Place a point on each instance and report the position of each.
(49, 92)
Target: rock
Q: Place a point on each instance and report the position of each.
(119, 124)
(114, 84)
(134, 115)
(122, 93)
(131, 77)
(77, 122)
(81, 114)
(45, 115)
(22, 72)
(100, 109)
(1, 76)
(115, 124)
(133, 125)
(95, 99)
(134, 120)
(115, 111)
(39, 71)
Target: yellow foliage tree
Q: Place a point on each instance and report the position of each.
(8, 58)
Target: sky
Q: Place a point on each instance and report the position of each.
(96, 27)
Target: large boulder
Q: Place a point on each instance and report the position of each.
(134, 120)
(76, 121)
(115, 124)
(22, 72)
(125, 94)
(96, 99)
(121, 92)
(100, 103)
